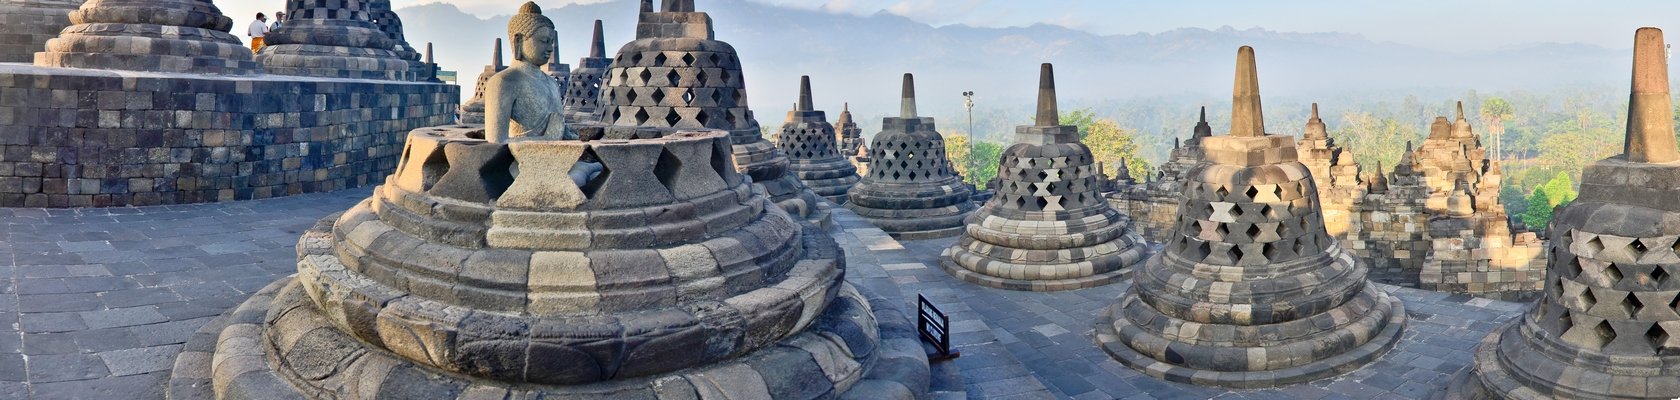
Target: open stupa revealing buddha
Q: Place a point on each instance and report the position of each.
(528, 100)
(479, 270)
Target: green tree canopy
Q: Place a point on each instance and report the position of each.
(977, 167)
(1110, 143)
(1558, 192)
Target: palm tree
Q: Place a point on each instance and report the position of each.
(1495, 111)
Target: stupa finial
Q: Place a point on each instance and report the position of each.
(597, 46)
(1047, 113)
(805, 102)
(1650, 129)
(907, 108)
(1246, 117)
(1315, 126)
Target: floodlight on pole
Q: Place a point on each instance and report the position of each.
(968, 102)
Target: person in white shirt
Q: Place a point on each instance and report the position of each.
(279, 18)
(258, 30)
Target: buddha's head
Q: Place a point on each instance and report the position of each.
(532, 34)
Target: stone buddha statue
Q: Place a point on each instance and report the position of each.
(523, 100)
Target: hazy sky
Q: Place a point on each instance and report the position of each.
(1453, 25)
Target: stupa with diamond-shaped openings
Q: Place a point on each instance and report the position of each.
(1251, 291)
(676, 75)
(1049, 227)
(809, 142)
(1608, 325)
(911, 191)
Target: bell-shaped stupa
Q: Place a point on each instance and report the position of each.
(186, 36)
(911, 191)
(482, 269)
(333, 39)
(851, 136)
(1049, 227)
(1608, 325)
(808, 140)
(389, 22)
(472, 111)
(1251, 291)
(677, 75)
(583, 89)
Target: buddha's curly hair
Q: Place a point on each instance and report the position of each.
(529, 19)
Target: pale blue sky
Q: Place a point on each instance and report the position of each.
(1454, 25)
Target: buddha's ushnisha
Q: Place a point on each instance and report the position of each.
(523, 100)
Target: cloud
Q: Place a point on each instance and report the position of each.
(934, 11)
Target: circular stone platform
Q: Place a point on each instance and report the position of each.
(482, 267)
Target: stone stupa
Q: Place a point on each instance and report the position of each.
(26, 25)
(1049, 227)
(664, 277)
(336, 39)
(809, 142)
(185, 36)
(472, 111)
(1251, 291)
(561, 72)
(389, 22)
(911, 191)
(676, 75)
(850, 135)
(583, 88)
(1607, 326)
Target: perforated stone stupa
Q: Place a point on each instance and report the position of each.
(851, 136)
(380, 12)
(333, 39)
(561, 72)
(483, 269)
(472, 111)
(910, 190)
(583, 88)
(26, 25)
(1607, 325)
(189, 36)
(1252, 292)
(677, 75)
(809, 142)
(1049, 227)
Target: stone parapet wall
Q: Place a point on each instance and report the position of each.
(1154, 213)
(81, 138)
(1467, 258)
(25, 27)
(1393, 240)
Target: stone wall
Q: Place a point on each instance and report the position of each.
(1393, 239)
(1480, 256)
(26, 25)
(1154, 215)
(80, 138)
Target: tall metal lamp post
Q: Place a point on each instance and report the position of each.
(968, 102)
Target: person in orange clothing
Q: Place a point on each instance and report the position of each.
(258, 30)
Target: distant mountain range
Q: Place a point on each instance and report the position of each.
(858, 59)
